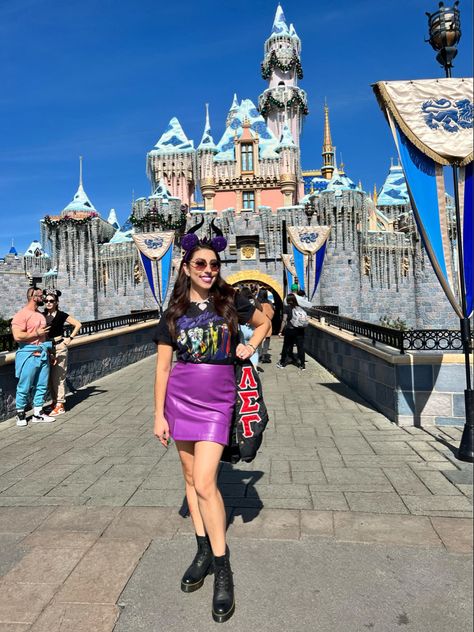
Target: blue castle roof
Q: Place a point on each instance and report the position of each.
(394, 191)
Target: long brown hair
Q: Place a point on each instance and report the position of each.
(221, 293)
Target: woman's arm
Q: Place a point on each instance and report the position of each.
(260, 323)
(76, 324)
(164, 359)
(283, 323)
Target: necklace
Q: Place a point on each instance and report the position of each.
(202, 304)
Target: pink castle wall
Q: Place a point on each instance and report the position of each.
(272, 198)
(225, 199)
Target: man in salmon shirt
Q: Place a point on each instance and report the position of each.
(32, 358)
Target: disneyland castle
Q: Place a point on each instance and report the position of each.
(250, 179)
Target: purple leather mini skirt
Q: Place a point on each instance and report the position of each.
(200, 400)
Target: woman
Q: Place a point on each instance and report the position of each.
(291, 335)
(55, 320)
(194, 402)
(269, 312)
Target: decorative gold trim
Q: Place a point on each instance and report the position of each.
(256, 275)
(385, 101)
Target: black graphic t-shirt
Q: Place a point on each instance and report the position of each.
(203, 337)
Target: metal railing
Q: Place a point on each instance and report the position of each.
(410, 340)
(376, 333)
(92, 326)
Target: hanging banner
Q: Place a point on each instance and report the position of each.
(434, 114)
(290, 270)
(435, 130)
(156, 253)
(308, 239)
(309, 248)
(319, 267)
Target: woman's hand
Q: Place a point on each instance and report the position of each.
(161, 430)
(244, 352)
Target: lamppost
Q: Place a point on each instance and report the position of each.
(445, 33)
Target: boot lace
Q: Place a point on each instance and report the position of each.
(223, 578)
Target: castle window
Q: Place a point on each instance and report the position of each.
(248, 199)
(247, 156)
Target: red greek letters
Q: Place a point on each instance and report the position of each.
(249, 406)
(247, 380)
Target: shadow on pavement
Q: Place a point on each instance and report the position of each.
(346, 391)
(76, 396)
(237, 487)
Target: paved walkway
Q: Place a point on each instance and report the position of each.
(343, 522)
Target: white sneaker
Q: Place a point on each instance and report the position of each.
(41, 418)
(21, 419)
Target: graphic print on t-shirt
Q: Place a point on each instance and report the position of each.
(203, 338)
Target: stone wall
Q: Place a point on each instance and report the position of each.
(13, 286)
(415, 388)
(90, 357)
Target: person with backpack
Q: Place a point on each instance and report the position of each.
(295, 320)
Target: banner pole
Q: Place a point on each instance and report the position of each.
(466, 447)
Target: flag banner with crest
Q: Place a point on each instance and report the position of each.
(309, 249)
(156, 253)
(431, 122)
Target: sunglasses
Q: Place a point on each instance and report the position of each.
(49, 301)
(201, 264)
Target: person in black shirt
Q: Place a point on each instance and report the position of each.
(56, 319)
(194, 401)
(291, 336)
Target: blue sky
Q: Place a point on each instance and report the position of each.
(102, 78)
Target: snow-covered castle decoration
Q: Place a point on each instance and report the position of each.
(251, 180)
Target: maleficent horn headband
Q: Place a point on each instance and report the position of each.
(191, 240)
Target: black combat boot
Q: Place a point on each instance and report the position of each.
(201, 566)
(223, 603)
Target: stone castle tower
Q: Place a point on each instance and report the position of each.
(283, 102)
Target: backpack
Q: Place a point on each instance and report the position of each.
(299, 318)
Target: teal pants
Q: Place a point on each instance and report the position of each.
(32, 381)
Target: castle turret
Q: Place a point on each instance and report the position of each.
(283, 102)
(172, 159)
(329, 152)
(206, 151)
(289, 167)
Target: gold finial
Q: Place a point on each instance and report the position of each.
(375, 197)
(327, 142)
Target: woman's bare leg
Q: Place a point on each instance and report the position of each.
(186, 455)
(207, 455)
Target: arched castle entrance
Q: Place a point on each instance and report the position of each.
(267, 282)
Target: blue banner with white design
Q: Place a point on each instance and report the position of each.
(156, 254)
(432, 124)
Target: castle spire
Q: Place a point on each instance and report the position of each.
(207, 142)
(375, 196)
(279, 23)
(80, 202)
(80, 171)
(328, 152)
(233, 109)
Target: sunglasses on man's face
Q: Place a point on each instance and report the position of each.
(201, 264)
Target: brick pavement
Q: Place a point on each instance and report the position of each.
(81, 500)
